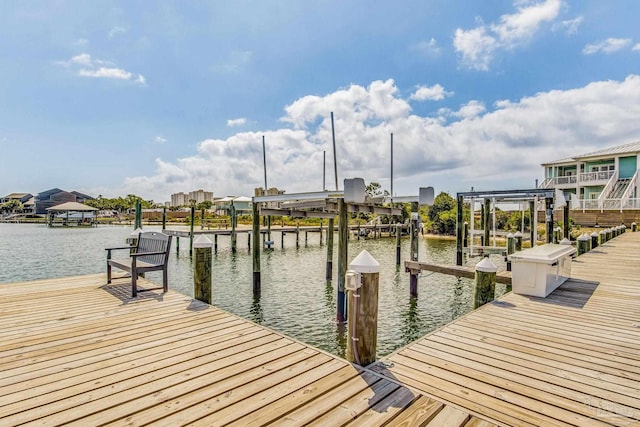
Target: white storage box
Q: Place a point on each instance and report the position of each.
(540, 270)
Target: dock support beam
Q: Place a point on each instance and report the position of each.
(398, 236)
(485, 225)
(485, 282)
(202, 269)
(533, 223)
(413, 278)
(234, 221)
(256, 250)
(363, 310)
(164, 218)
(565, 222)
(548, 204)
(192, 220)
(329, 272)
(459, 231)
(343, 234)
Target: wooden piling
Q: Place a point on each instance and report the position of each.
(413, 278)
(634, 227)
(215, 243)
(465, 234)
(234, 223)
(532, 224)
(164, 218)
(485, 226)
(202, 219)
(192, 220)
(485, 282)
(583, 243)
(256, 249)
(548, 203)
(320, 232)
(343, 232)
(177, 245)
(518, 241)
(511, 248)
(330, 232)
(363, 308)
(202, 269)
(566, 222)
(594, 240)
(398, 240)
(298, 235)
(459, 230)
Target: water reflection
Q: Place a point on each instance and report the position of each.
(459, 305)
(255, 314)
(410, 330)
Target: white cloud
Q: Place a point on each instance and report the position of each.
(116, 30)
(81, 42)
(427, 48)
(636, 47)
(430, 93)
(470, 110)
(96, 68)
(571, 26)
(236, 122)
(160, 139)
(609, 45)
(478, 46)
(492, 149)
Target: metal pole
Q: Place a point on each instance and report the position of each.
(335, 161)
(264, 164)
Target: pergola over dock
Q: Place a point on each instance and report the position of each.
(72, 209)
(496, 196)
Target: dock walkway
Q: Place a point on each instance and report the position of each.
(570, 359)
(75, 351)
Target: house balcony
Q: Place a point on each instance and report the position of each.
(595, 178)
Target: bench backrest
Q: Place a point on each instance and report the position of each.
(152, 241)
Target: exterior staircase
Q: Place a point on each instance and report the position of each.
(618, 190)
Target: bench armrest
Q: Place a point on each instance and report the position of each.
(148, 253)
(121, 247)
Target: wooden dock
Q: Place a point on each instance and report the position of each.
(570, 359)
(75, 351)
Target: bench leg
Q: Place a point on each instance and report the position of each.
(165, 282)
(134, 284)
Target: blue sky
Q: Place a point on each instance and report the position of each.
(152, 98)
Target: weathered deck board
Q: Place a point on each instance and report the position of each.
(570, 359)
(74, 351)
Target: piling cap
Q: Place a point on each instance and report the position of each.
(365, 263)
(518, 234)
(565, 241)
(594, 234)
(486, 266)
(510, 236)
(603, 232)
(135, 233)
(202, 241)
(584, 237)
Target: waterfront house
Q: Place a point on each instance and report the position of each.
(604, 180)
(26, 199)
(56, 196)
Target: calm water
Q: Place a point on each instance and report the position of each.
(296, 299)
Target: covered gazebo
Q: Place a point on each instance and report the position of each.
(71, 214)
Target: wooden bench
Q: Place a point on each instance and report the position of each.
(151, 253)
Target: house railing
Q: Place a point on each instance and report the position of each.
(596, 176)
(630, 190)
(546, 183)
(607, 189)
(631, 204)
